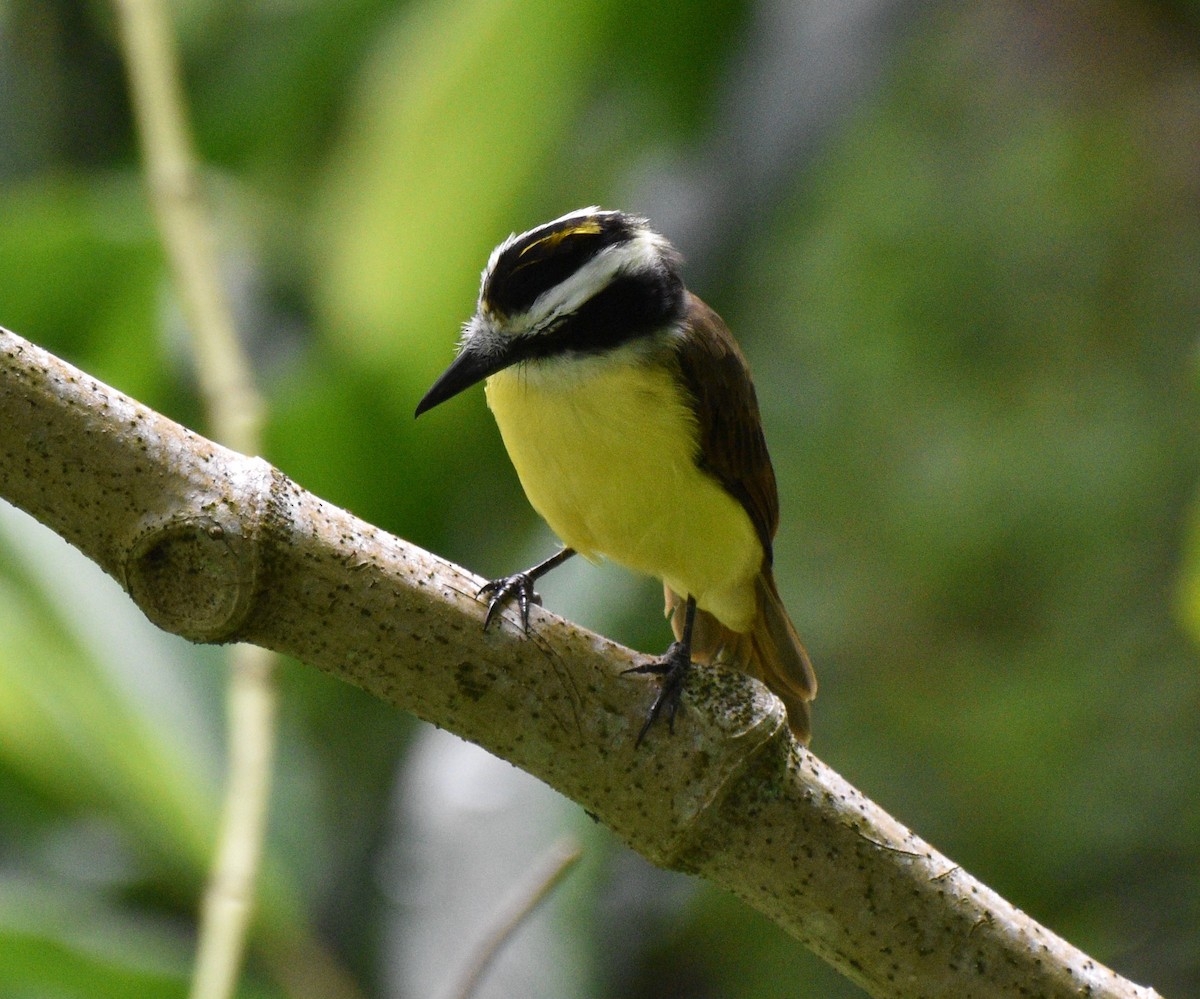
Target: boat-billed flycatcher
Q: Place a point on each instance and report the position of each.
(629, 414)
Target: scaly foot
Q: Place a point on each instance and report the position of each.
(519, 585)
(673, 667)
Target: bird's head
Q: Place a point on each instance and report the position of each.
(584, 284)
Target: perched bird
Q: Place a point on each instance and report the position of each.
(629, 414)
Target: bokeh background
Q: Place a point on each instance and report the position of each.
(960, 243)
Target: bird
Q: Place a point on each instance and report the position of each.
(628, 411)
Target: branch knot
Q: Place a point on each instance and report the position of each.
(196, 572)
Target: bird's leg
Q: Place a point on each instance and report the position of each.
(673, 667)
(520, 585)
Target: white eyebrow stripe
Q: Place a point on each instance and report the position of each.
(513, 237)
(641, 253)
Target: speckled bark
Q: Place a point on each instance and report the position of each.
(218, 547)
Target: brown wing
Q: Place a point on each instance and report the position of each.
(732, 448)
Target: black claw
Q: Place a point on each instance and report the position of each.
(673, 667)
(519, 585)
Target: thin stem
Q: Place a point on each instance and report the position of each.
(234, 411)
(545, 876)
(229, 899)
(232, 403)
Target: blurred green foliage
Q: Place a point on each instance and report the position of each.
(961, 246)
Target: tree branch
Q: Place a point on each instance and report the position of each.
(218, 547)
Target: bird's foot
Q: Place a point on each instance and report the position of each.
(504, 589)
(673, 667)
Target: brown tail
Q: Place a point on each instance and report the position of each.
(779, 658)
(771, 651)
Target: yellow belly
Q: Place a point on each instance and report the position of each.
(604, 450)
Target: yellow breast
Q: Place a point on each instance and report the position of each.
(604, 448)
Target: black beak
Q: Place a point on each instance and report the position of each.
(470, 367)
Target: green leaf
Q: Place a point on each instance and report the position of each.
(458, 112)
